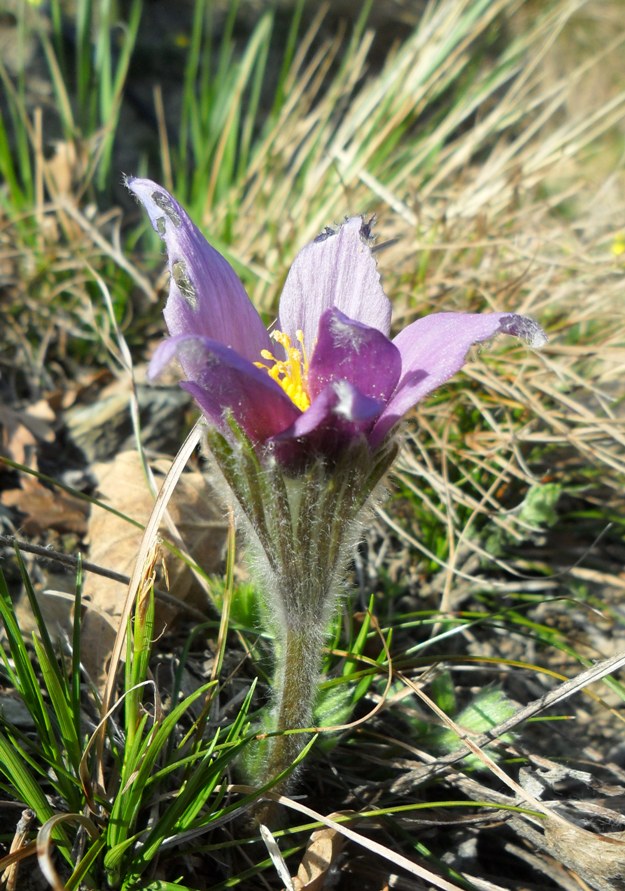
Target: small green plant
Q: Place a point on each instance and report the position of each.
(115, 795)
(88, 85)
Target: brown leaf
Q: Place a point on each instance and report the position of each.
(20, 431)
(46, 509)
(61, 167)
(56, 604)
(114, 542)
(322, 852)
(598, 858)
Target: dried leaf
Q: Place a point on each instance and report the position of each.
(598, 859)
(114, 542)
(63, 168)
(21, 430)
(46, 509)
(321, 854)
(56, 603)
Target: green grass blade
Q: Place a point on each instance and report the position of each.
(139, 648)
(287, 58)
(26, 787)
(139, 761)
(22, 675)
(21, 132)
(75, 681)
(84, 55)
(61, 706)
(16, 197)
(36, 610)
(60, 87)
(252, 105)
(112, 88)
(81, 873)
(56, 21)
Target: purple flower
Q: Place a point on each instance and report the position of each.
(328, 373)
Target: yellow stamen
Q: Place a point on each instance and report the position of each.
(291, 373)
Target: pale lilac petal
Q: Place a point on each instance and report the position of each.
(348, 350)
(434, 348)
(206, 296)
(170, 349)
(336, 269)
(220, 380)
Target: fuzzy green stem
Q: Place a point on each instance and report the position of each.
(296, 682)
(302, 523)
(298, 659)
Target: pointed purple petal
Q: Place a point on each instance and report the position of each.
(341, 405)
(348, 350)
(434, 348)
(220, 380)
(338, 414)
(206, 296)
(336, 269)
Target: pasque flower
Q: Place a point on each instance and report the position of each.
(301, 417)
(328, 372)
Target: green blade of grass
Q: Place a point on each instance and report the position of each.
(84, 54)
(75, 678)
(22, 674)
(61, 705)
(111, 97)
(22, 782)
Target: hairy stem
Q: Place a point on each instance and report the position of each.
(298, 661)
(296, 681)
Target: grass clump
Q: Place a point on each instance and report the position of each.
(113, 793)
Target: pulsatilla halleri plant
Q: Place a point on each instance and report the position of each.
(301, 419)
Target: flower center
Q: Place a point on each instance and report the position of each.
(291, 373)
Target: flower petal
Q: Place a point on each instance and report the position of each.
(220, 380)
(336, 269)
(206, 296)
(434, 348)
(348, 350)
(339, 414)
